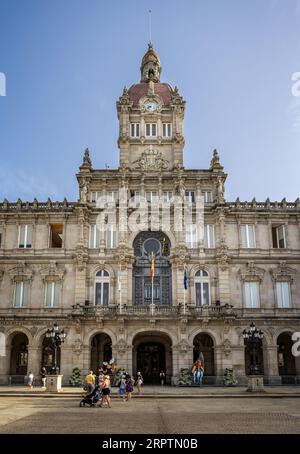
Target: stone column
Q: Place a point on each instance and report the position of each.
(238, 364)
(218, 360)
(34, 362)
(66, 362)
(271, 365)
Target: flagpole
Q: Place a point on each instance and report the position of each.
(120, 293)
(152, 279)
(152, 303)
(184, 292)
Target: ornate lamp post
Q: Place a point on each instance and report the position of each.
(56, 337)
(253, 338)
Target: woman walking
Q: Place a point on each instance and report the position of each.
(106, 391)
(122, 387)
(30, 378)
(43, 377)
(128, 387)
(139, 382)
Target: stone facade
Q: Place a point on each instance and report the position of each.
(49, 270)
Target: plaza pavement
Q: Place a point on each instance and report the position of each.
(157, 410)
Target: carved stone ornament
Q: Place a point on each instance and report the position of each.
(215, 162)
(78, 346)
(81, 257)
(183, 347)
(252, 273)
(283, 273)
(227, 347)
(120, 347)
(20, 272)
(52, 272)
(223, 258)
(151, 160)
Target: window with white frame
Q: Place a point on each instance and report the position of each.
(168, 196)
(167, 129)
(251, 294)
(53, 290)
(112, 196)
(278, 237)
(21, 294)
(111, 236)
(202, 288)
(190, 196)
(283, 293)
(25, 236)
(137, 196)
(151, 130)
(209, 236)
(94, 237)
(191, 237)
(151, 196)
(95, 195)
(248, 236)
(135, 130)
(102, 288)
(208, 197)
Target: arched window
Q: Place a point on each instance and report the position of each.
(102, 288)
(202, 288)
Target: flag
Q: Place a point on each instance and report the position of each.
(152, 266)
(185, 281)
(164, 248)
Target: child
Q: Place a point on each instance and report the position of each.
(139, 382)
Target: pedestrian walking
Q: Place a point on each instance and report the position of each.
(90, 382)
(139, 382)
(106, 392)
(162, 377)
(43, 377)
(30, 378)
(128, 387)
(122, 387)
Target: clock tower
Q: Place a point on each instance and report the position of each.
(151, 117)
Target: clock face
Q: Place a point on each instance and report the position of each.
(151, 106)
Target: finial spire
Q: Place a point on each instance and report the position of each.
(150, 29)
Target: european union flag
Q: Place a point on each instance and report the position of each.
(185, 281)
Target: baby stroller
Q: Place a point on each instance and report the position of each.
(92, 398)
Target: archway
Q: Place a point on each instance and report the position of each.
(144, 245)
(203, 348)
(48, 355)
(152, 352)
(19, 354)
(286, 360)
(101, 351)
(258, 359)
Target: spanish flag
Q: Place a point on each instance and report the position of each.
(152, 266)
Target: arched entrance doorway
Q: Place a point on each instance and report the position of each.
(286, 360)
(152, 352)
(101, 351)
(48, 355)
(144, 245)
(250, 359)
(19, 354)
(203, 348)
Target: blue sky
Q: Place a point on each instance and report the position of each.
(66, 62)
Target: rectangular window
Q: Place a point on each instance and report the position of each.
(278, 237)
(191, 236)
(135, 130)
(25, 236)
(202, 293)
(151, 196)
(21, 294)
(168, 196)
(283, 291)
(111, 237)
(248, 236)
(95, 195)
(208, 198)
(1, 235)
(209, 236)
(137, 196)
(94, 237)
(53, 294)
(56, 235)
(251, 293)
(190, 196)
(112, 196)
(167, 129)
(101, 293)
(150, 129)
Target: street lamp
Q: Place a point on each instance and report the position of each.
(253, 338)
(56, 337)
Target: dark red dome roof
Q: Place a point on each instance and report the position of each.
(163, 90)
